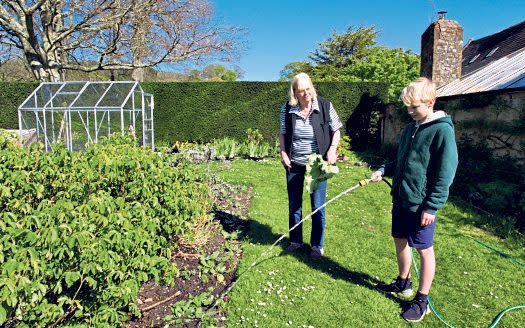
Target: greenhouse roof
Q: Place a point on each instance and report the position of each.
(76, 95)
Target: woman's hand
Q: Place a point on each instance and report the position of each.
(331, 155)
(285, 160)
(377, 176)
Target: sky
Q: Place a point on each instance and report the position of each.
(284, 31)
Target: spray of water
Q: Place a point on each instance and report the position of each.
(268, 251)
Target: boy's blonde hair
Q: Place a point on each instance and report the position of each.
(299, 82)
(419, 91)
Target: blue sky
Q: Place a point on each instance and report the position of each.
(280, 32)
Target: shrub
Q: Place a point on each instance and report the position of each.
(82, 231)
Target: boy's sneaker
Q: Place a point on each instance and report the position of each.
(317, 252)
(416, 311)
(293, 247)
(401, 288)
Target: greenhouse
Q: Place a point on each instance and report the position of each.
(77, 113)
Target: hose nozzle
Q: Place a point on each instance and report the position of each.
(364, 182)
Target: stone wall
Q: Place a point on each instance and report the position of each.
(495, 117)
(441, 51)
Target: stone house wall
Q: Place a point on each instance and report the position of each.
(494, 117)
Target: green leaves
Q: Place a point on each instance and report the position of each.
(71, 278)
(82, 231)
(318, 170)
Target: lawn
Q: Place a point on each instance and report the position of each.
(472, 285)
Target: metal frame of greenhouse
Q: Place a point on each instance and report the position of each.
(76, 113)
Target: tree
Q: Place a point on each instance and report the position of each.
(90, 35)
(396, 67)
(341, 50)
(354, 56)
(217, 72)
(229, 76)
(293, 68)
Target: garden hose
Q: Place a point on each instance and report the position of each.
(499, 252)
(501, 314)
(495, 322)
(510, 308)
(428, 297)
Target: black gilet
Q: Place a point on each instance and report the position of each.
(320, 123)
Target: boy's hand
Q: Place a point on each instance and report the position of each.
(427, 218)
(377, 176)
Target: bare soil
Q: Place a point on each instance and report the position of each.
(230, 208)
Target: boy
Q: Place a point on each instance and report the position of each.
(422, 174)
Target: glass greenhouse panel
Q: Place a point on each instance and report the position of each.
(77, 113)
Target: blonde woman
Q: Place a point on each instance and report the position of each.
(308, 124)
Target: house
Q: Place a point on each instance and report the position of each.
(494, 62)
(481, 85)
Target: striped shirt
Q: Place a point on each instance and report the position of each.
(303, 140)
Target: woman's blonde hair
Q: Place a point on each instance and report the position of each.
(418, 91)
(300, 82)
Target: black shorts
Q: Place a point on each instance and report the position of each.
(407, 225)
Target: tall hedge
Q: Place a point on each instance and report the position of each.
(202, 111)
(11, 96)
(197, 111)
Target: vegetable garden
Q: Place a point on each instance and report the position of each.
(82, 231)
(87, 237)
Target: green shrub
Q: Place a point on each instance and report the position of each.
(82, 231)
(498, 195)
(11, 96)
(202, 112)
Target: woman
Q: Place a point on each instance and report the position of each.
(308, 124)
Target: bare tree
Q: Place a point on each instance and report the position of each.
(91, 35)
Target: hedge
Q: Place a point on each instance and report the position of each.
(197, 111)
(203, 111)
(11, 96)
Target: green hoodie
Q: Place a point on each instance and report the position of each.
(426, 163)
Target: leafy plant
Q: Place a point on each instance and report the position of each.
(226, 148)
(344, 147)
(194, 308)
(318, 170)
(82, 231)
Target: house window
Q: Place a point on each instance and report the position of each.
(473, 59)
(491, 52)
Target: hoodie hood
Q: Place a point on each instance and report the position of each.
(438, 116)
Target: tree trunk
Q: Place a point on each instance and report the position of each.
(138, 74)
(44, 72)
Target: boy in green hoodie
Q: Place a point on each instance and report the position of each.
(422, 174)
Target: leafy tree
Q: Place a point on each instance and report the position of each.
(354, 56)
(295, 67)
(396, 67)
(217, 72)
(229, 75)
(341, 50)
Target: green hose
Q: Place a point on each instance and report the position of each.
(428, 297)
(501, 314)
(495, 322)
(511, 308)
(499, 253)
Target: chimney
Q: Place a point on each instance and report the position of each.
(441, 51)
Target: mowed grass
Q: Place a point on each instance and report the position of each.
(472, 285)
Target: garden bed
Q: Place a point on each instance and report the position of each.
(198, 262)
